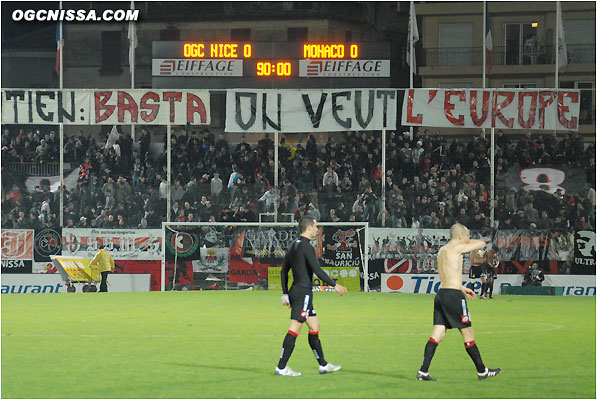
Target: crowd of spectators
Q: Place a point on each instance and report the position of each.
(431, 182)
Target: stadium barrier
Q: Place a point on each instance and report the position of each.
(533, 290)
(573, 285)
(54, 283)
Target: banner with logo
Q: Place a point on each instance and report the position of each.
(344, 68)
(310, 110)
(196, 67)
(48, 242)
(546, 179)
(105, 106)
(584, 253)
(183, 244)
(17, 250)
(76, 269)
(268, 244)
(541, 109)
(345, 276)
(341, 247)
(212, 260)
(153, 268)
(35, 184)
(123, 244)
(574, 285)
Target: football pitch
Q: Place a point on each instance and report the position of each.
(217, 344)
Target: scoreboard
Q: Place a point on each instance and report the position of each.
(280, 65)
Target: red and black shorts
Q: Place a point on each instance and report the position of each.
(450, 309)
(301, 303)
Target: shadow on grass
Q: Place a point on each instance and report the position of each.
(385, 374)
(224, 368)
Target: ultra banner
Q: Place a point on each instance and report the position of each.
(542, 109)
(332, 110)
(123, 244)
(17, 250)
(105, 107)
(341, 247)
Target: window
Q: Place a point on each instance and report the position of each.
(170, 35)
(297, 34)
(455, 45)
(240, 35)
(111, 49)
(580, 40)
(519, 85)
(522, 46)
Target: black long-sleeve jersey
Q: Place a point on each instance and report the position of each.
(301, 258)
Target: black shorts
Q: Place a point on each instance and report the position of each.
(490, 272)
(475, 272)
(450, 309)
(301, 303)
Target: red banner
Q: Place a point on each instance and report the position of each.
(151, 267)
(17, 244)
(243, 270)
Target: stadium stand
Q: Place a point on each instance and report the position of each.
(432, 181)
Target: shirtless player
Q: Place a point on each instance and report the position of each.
(450, 308)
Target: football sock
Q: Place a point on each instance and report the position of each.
(491, 289)
(287, 347)
(473, 352)
(483, 288)
(428, 354)
(316, 347)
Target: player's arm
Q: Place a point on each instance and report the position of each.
(314, 264)
(468, 245)
(284, 274)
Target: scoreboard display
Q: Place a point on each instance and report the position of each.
(226, 65)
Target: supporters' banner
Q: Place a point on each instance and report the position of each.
(212, 260)
(17, 244)
(243, 270)
(546, 179)
(270, 244)
(34, 184)
(46, 106)
(312, 110)
(542, 109)
(406, 250)
(182, 245)
(105, 107)
(48, 242)
(584, 253)
(182, 269)
(122, 244)
(345, 276)
(150, 107)
(341, 247)
(151, 267)
(514, 245)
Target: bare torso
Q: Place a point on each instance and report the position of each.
(449, 262)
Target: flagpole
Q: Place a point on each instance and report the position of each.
(132, 44)
(484, 42)
(558, 17)
(61, 126)
(411, 51)
(492, 154)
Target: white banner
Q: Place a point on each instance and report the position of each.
(314, 110)
(543, 109)
(344, 68)
(196, 67)
(53, 283)
(45, 106)
(105, 107)
(574, 285)
(150, 107)
(212, 260)
(122, 244)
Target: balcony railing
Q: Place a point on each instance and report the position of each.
(37, 169)
(505, 55)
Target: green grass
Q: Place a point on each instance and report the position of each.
(226, 345)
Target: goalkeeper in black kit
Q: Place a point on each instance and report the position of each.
(301, 258)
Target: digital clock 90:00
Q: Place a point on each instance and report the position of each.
(265, 68)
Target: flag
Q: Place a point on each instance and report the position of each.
(133, 44)
(59, 46)
(413, 36)
(112, 138)
(488, 41)
(84, 172)
(561, 42)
